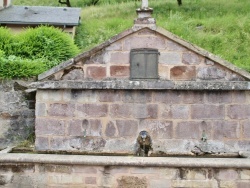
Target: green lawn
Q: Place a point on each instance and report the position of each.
(221, 27)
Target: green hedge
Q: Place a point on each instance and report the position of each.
(33, 51)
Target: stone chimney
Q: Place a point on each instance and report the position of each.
(144, 17)
(4, 4)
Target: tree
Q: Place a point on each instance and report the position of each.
(179, 2)
(66, 2)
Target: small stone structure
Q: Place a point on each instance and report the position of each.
(92, 103)
(17, 112)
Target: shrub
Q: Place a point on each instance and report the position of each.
(16, 67)
(6, 41)
(45, 42)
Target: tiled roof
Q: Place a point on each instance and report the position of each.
(40, 15)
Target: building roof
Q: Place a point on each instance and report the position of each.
(34, 15)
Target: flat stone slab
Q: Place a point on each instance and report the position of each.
(157, 85)
(243, 163)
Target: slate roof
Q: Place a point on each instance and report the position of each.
(34, 15)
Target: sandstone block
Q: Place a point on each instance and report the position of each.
(190, 58)
(119, 57)
(62, 110)
(206, 111)
(238, 111)
(144, 42)
(45, 126)
(226, 130)
(227, 174)
(210, 73)
(193, 97)
(183, 73)
(109, 96)
(110, 130)
(246, 129)
(95, 72)
(142, 111)
(174, 111)
(120, 71)
(216, 97)
(127, 128)
(121, 110)
(169, 97)
(136, 97)
(92, 110)
(170, 58)
(192, 130)
(42, 143)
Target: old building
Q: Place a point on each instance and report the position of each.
(145, 78)
(18, 18)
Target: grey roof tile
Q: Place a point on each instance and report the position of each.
(40, 15)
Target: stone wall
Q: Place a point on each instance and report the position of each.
(73, 171)
(109, 121)
(17, 112)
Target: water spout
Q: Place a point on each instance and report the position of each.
(144, 144)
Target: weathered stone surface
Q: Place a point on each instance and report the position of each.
(109, 95)
(157, 129)
(191, 58)
(45, 126)
(173, 46)
(119, 58)
(121, 110)
(91, 110)
(62, 110)
(96, 72)
(168, 97)
(119, 71)
(210, 73)
(42, 143)
(170, 58)
(192, 130)
(127, 128)
(183, 73)
(238, 111)
(132, 182)
(226, 130)
(110, 130)
(206, 111)
(174, 111)
(147, 42)
(76, 74)
(136, 97)
(218, 97)
(246, 129)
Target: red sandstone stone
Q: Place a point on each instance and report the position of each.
(119, 71)
(145, 111)
(90, 180)
(246, 129)
(110, 130)
(96, 72)
(63, 110)
(183, 73)
(174, 111)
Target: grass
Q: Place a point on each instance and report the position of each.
(221, 27)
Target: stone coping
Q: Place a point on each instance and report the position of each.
(145, 85)
(243, 163)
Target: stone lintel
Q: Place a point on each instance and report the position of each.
(145, 85)
(125, 161)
